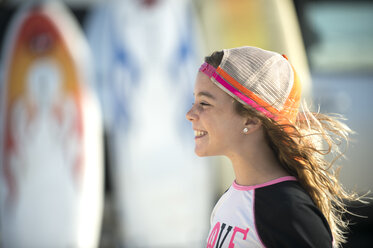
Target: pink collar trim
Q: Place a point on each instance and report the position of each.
(278, 180)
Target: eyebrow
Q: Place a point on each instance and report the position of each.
(206, 94)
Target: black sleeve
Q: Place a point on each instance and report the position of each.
(286, 217)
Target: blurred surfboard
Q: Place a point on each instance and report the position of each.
(271, 25)
(147, 58)
(51, 133)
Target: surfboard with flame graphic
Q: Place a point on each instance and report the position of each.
(51, 161)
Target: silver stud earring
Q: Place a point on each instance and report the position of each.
(245, 130)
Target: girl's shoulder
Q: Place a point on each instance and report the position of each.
(284, 193)
(286, 216)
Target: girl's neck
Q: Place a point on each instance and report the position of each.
(257, 166)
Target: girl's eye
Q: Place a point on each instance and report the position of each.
(204, 104)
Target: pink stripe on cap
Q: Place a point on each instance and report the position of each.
(210, 71)
(241, 96)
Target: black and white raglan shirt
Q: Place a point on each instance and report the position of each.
(278, 213)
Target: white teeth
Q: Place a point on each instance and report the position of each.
(199, 133)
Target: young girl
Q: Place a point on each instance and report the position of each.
(285, 193)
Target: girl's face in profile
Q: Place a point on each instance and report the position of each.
(217, 127)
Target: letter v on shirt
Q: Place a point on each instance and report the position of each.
(219, 240)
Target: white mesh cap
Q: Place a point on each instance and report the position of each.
(266, 74)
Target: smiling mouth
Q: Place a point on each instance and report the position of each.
(199, 134)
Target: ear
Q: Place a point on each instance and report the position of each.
(252, 124)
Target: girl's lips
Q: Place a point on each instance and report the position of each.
(199, 133)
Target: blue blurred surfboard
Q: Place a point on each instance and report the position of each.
(147, 58)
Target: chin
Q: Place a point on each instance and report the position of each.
(202, 153)
(199, 152)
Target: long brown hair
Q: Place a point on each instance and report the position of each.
(300, 148)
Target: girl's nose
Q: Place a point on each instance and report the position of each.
(190, 115)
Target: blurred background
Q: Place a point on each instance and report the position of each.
(95, 147)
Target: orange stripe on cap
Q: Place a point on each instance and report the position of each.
(246, 91)
(290, 109)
